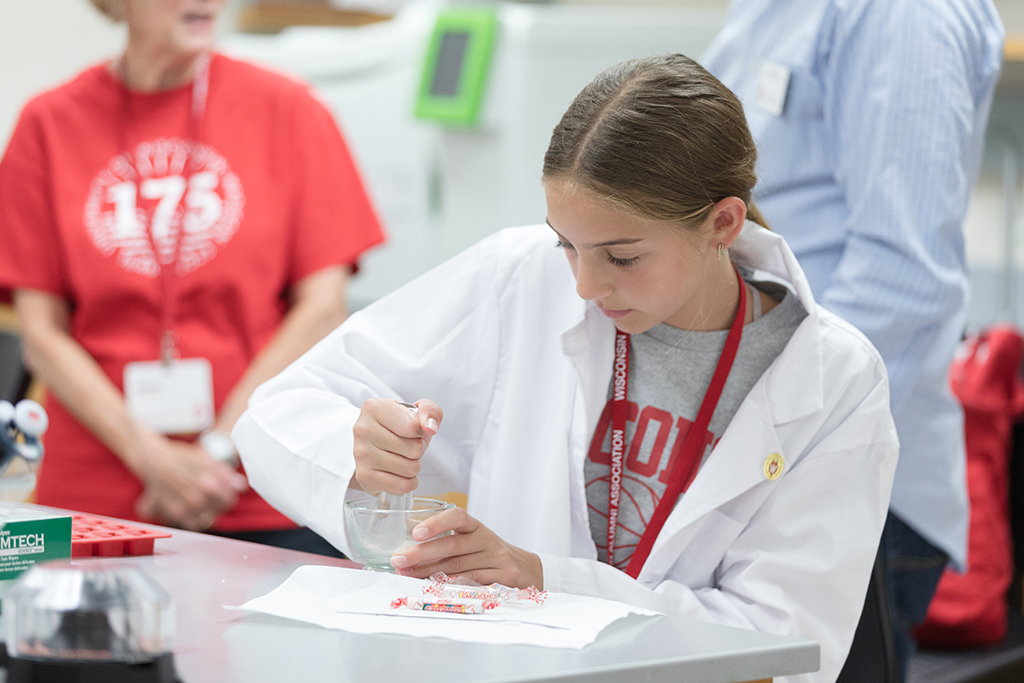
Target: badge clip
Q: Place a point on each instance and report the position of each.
(168, 351)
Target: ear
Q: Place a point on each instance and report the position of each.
(727, 218)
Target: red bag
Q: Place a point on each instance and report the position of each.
(970, 610)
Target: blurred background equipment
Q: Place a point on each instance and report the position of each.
(444, 180)
(21, 429)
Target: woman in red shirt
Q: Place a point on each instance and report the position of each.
(178, 227)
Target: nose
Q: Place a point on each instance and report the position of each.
(590, 282)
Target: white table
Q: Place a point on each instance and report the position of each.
(216, 645)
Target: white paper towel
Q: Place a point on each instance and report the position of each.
(359, 601)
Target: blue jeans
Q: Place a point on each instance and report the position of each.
(913, 567)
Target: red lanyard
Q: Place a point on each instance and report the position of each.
(168, 275)
(686, 465)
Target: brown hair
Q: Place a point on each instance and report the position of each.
(658, 137)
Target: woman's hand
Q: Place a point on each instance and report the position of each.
(389, 440)
(184, 486)
(472, 551)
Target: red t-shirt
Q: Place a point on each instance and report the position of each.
(272, 196)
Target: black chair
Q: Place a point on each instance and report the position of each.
(872, 657)
(1002, 663)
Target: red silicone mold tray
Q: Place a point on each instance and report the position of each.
(97, 537)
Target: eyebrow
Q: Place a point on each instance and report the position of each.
(609, 243)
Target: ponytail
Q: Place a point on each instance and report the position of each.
(754, 214)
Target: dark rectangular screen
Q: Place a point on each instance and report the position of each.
(448, 67)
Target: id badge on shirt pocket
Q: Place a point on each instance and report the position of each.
(772, 87)
(171, 399)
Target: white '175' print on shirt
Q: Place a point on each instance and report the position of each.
(191, 204)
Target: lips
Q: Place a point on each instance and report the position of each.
(613, 314)
(198, 19)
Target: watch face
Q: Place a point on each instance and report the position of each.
(218, 445)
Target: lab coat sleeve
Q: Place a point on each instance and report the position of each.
(434, 338)
(907, 88)
(800, 564)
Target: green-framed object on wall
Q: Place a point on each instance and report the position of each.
(457, 65)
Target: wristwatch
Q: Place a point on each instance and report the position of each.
(219, 446)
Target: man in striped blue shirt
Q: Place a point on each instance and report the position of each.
(869, 116)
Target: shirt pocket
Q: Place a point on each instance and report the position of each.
(805, 100)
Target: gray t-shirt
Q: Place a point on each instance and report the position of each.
(669, 372)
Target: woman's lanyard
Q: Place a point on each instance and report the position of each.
(688, 462)
(168, 272)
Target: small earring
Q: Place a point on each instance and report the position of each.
(721, 252)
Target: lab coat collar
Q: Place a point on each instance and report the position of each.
(791, 388)
(795, 387)
(590, 347)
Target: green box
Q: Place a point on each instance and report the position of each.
(457, 65)
(28, 538)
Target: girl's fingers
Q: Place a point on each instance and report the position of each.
(456, 520)
(458, 553)
(376, 436)
(430, 416)
(378, 481)
(396, 465)
(379, 471)
(389, 440)
(462, 541)
(395, 417)
(471, 550)
(467, 566)
(388, 426)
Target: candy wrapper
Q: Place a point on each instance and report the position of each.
(444, 586)
(426, 603)
(462, 596)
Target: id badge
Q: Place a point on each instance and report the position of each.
(171, 399)
(772, 87)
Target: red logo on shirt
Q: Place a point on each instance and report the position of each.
(645, 473)
(189, 204)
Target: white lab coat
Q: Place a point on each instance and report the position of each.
(498, 337)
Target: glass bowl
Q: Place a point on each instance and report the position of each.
(376, 534)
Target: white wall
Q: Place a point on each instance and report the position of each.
(1012, 12)
(43, 43)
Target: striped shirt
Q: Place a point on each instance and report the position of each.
(867, 173)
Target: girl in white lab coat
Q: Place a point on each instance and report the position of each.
(641, 399)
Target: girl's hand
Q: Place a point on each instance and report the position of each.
(184, 486)
(472, 551)
(389, 440)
